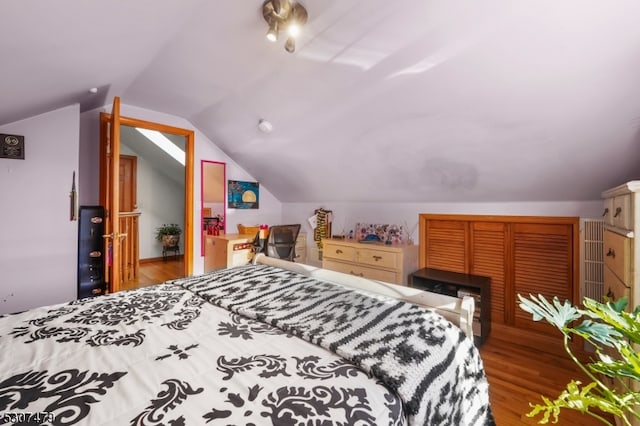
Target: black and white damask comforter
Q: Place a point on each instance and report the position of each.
(250, 345)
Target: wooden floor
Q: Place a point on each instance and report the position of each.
(517, 374)
(156, 271)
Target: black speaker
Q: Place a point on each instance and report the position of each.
(91, 258)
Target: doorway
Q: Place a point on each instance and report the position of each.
(160, 192)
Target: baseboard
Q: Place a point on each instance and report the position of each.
(160, 259)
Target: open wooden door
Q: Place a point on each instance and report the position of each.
(112, 202)
(112, 127)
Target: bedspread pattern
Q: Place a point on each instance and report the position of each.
(164, 356)
(427, 361)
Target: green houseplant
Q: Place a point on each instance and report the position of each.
(613, 332)
(169, 234)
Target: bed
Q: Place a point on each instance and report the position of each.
(268, 343)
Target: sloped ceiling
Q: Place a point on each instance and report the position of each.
(406, 100)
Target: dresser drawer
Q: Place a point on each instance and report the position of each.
(382, 259)
(362, 271)
(617, 255)
(607, 216)
(614, 289)
(301, 255)
(339, 252)
(622, 212)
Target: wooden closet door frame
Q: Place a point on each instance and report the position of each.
(189, 135)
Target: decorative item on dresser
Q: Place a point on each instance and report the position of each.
(622, 248)
(391, 263)
(520, 254)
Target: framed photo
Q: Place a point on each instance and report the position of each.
(243, 195)
(12, 146)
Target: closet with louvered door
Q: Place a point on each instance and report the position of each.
(542, 264)
(445, 246)
(488, 258)
(520, 254)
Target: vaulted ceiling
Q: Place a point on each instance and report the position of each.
(406, 100)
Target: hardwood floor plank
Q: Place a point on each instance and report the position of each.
(156, 271)
(519, 375)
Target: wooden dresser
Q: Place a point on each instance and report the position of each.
(391, 263)
(621, 248)
(622, 251)
(225, 251)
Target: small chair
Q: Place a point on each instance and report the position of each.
(281, 242)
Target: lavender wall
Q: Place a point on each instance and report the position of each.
(38, 246)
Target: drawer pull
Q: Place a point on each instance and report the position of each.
(376, 258)
(618, 211)
(611, 253)
(610, 294)
(338, 251)
(606, 210)
(357, 275)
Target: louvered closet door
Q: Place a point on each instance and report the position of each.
(489, 244)
(446, 245)
(542, 260)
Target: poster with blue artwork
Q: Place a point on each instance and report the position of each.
(243, 195)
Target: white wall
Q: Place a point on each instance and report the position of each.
(346, 215)
(270, 211)
(160, 200)
(38, 246)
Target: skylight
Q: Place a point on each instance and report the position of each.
(164, 143)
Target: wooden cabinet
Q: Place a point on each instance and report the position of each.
(520, 254)
(391, 263)
(622, 250)
(225, 251)
(621, 246)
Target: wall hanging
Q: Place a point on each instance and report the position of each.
(12, 146)
(243, 195)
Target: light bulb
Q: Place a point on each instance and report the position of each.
(272, 34)
(293, 29)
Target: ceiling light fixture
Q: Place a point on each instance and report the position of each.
(284, 15)
(265, 126)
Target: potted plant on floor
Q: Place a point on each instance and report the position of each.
(169, 234)
(614, 371)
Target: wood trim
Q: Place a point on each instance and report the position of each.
(189, 174)
(158, 259)
(496, 218)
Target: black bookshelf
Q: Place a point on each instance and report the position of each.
(458, 285)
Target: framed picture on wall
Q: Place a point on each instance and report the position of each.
(243, 195)
(12, 146)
